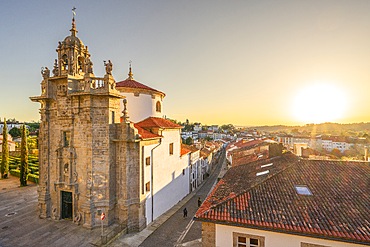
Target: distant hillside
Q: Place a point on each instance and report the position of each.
(324, 128)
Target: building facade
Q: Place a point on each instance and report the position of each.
(93, 158)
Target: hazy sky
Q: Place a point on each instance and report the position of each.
(242, 62)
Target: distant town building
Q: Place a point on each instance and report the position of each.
(11, 125)
(327, 143)
(11, 143)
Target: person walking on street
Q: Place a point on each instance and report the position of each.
(185, 211)
(199, 202)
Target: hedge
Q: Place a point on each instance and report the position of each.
(30, 177)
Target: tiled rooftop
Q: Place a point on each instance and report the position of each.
(245, 144)
(145, 134)
(185, 149)
(131, 83)
(240, 159)
(151, 122)
(339, 207)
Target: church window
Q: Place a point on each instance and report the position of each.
(80, 64)
(171, 148)
(147, 161)
(147, 187)
(65, 62)
(158, 106)
(66, 138)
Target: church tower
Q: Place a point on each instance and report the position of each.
(80, 115)
(73, 56)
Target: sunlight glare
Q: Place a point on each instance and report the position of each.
(319, 103)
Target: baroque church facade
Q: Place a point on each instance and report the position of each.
(104, 146)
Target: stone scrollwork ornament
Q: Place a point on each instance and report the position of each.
(75, 174)
(43, 88)
(55, 69)
(78, 218)
(54, 214)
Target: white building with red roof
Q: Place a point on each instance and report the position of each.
(289, 202)
(142, 101)
(165, 172)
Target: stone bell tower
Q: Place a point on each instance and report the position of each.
(73, 56)
(79, 113)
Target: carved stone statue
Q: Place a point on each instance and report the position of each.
(89, 66)
(108, 67)
(45, 72)
(55, 69)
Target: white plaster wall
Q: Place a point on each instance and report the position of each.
(11, 146)
(224, 238)
(170, 185)
(142, 106)
(147, 178)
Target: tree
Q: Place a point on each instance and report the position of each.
(4, 170)
(24, 158)
(227, 128)
(189, 141)
(31, 142)
(15, 132)
(34, 127)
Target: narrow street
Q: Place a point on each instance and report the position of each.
(180, 231)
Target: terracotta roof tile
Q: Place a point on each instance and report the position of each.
(204, 152)
(185, 149)
(145, 134)
(337, 209)
(128, 83)
(151, 122)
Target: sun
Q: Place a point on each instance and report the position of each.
(319, 103)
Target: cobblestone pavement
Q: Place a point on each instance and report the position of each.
(172, 229)
(21, 226)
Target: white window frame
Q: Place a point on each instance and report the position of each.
(261, 240)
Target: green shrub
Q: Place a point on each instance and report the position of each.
(15, 172)
(33, 178)
(13, 167)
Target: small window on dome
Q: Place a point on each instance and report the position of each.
(158, 106)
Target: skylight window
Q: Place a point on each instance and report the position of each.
(267, 165)
(303, 190)
(262, 173)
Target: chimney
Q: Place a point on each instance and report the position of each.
(366, 154)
